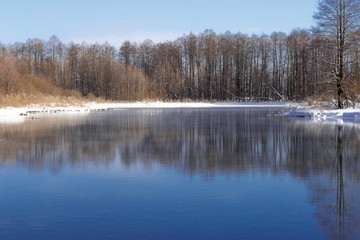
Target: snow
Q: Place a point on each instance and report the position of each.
(184, 105)
(19, 115)
(337, 116)
(294, 110)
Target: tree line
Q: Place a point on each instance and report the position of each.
(203, 66)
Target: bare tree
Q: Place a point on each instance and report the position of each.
(338, 22)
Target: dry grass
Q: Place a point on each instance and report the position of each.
(30, 90)
(22, 100)
(324, 102)
(33, 90)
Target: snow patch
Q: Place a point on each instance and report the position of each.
(184, 105)
(339, 115)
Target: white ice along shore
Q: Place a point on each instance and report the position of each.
(298, 111)
(338, 115)
(18, 115)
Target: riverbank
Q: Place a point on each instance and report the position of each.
(16, 114)
(351, 115)
(295, 110)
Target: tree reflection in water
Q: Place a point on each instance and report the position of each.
(335, 192)
(207, 142)
(340, 198)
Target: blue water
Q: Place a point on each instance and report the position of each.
(178, 174)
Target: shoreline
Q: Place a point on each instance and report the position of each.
(297, 111)
(338, 116)
(19, 114)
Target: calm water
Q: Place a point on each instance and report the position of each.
(179, 174)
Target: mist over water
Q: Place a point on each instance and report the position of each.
(179, 174)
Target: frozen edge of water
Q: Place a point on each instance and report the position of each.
(19, 115)
(339, 116)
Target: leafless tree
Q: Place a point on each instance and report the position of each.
(338, 22)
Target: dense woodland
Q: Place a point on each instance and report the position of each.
(204, 66)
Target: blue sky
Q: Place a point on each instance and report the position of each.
(136, 20)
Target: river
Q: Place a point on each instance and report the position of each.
(221, 173)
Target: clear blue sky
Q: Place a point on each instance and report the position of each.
(136, 20)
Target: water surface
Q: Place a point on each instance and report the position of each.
(231, 173)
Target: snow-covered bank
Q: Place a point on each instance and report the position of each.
(18, 115)
(338, 116)
(185, 105)
(298, 111)
(13, 115)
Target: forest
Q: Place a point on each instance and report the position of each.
(206, 66)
